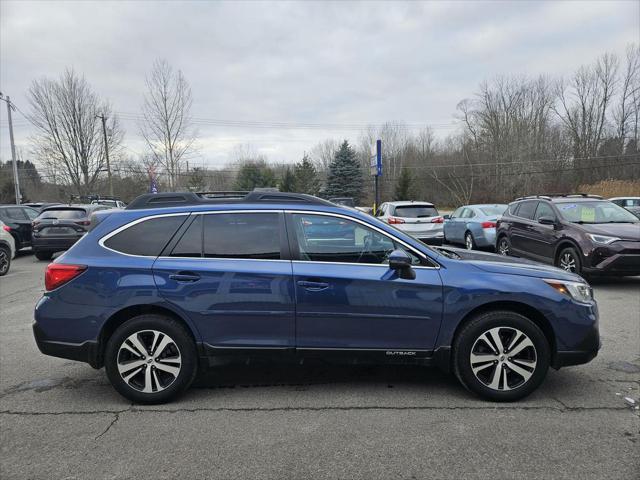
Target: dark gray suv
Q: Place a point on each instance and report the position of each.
(580, 233)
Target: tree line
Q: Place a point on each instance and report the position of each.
(517, 135)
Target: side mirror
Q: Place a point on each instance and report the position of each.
(547, 220)
(447, 217)
(400, 261)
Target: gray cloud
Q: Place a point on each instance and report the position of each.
(313, 62)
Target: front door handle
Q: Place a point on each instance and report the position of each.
(185, 277)
(313, 286)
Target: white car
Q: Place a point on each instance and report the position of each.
(630, 203)
(419, 219)
(7, 249)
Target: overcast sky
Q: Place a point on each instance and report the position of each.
(300, 62)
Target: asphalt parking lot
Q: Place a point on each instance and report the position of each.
(61, 419)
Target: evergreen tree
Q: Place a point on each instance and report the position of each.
(345, 176)
(404, 186)
(197, 182)
(306, 177)
(255, 174)
(288, 182)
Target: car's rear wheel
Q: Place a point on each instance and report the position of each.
(5, 260)
(504, 247)
(569, 260)
(469, 242)
(151, 359)
(501, 355)
(43, 255)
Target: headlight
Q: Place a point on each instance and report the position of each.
(579, 291)
(604, 239)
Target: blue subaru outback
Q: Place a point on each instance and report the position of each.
(180, 281)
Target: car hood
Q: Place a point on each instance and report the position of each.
(493, 263)
(624, 231)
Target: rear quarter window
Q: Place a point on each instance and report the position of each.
(146, 238)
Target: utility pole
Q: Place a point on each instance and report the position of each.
(16, 180)
(106, 151)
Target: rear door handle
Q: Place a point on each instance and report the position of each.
(185, 277)
(313, 286)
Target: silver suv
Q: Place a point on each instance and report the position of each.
(419, 219)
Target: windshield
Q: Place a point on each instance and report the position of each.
(598, 211)
(416, 211)
(493, 209)
(63, 214)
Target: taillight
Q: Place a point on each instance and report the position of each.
(83, 222)
(6, 228)
(488, 224)
(395, 220)
(57, 274)
(437, 220)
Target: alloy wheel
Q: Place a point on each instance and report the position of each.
(149, 361)
(4, 261)
(503, 358)
(503, 247)
(468, 241)
(567, 262)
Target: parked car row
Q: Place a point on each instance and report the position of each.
(44, 227)
(580, 233)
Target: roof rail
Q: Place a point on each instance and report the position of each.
(549, 196)
(527, 197)
(177, 199)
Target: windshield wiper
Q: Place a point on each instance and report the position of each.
(581, 222)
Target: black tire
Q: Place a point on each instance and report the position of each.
(508, 324)
(567, 257)
(141, 326)
(503, 242)
(469, 242)
(5, 260)
(43, 255)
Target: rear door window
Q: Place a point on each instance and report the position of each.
(16, 213)
(147, 238)
(527, 209)
(242, 235)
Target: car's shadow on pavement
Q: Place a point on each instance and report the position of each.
(284, 374)
(617, 281)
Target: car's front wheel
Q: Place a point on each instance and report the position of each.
(151, 359)
(501, 355)
(569, 260)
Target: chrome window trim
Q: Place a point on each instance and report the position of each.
(131, 224)
(309, 212)
(187, 214)
(379, 230)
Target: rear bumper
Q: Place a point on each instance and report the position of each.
(53, 244)
(83, 352)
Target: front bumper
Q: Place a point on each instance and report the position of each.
(583, 352)
(83, 352)
(618, 258)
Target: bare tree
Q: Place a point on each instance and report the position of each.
(69, 140)
(625, 115)
(583, 103)
(167, 127)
